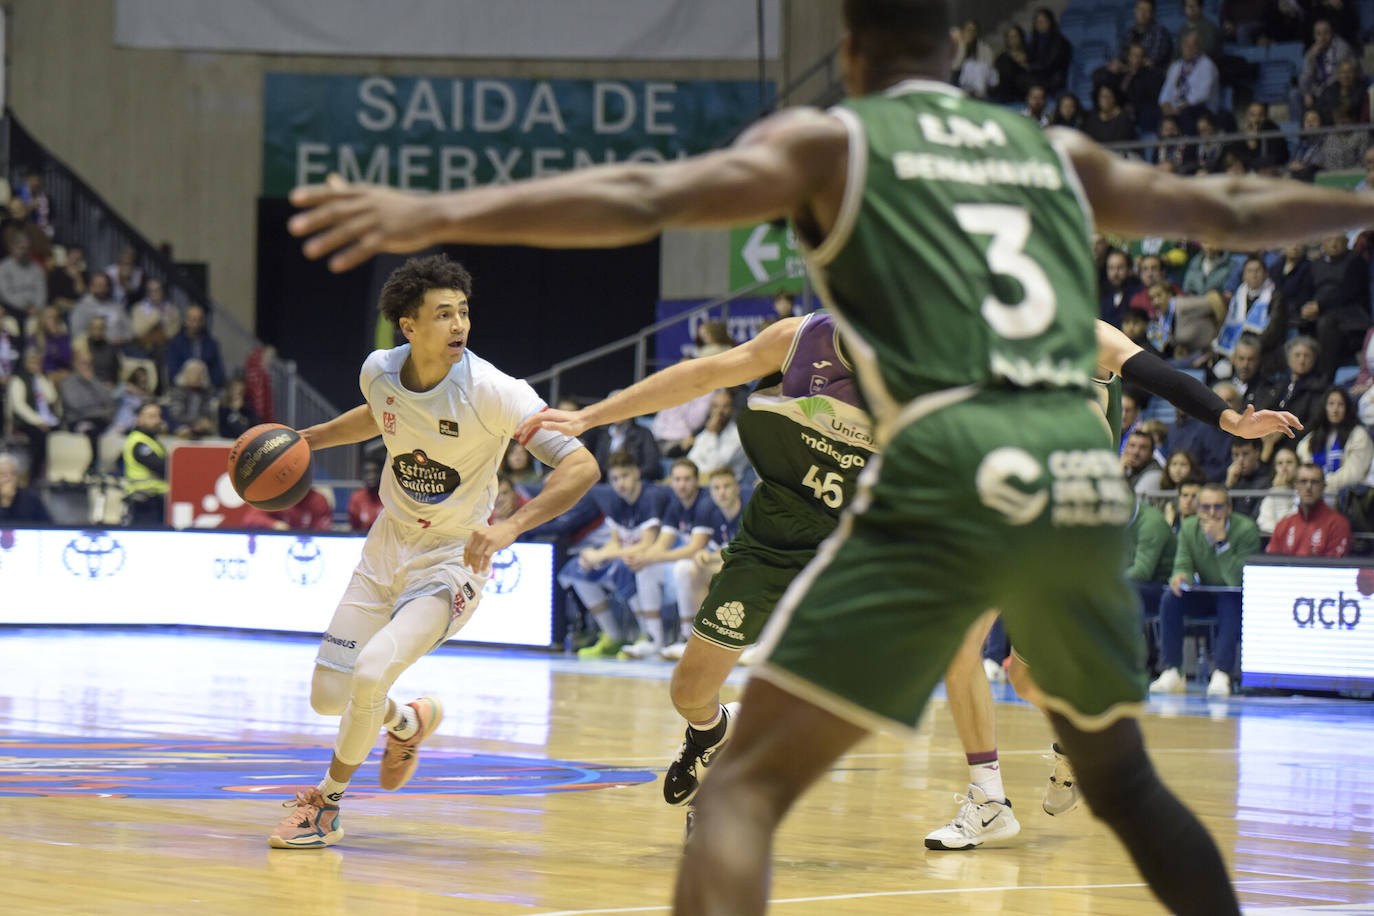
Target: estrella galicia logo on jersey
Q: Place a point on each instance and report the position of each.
(505, 572)
(448, 428)
(424, 479)
(304, 562)
(93, 555)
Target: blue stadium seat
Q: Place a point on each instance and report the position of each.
(1171, 17)
(1275, 78)
(1345, 375)
(1289, 51)
(1159, 409)
(1073, 20)
(1253, 53)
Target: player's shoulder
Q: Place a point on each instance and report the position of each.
(385, 362)
(486, 379)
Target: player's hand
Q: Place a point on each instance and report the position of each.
(1176, 583)
(360, 220)
(637, 561)
(485, 543)
(1256, 424)
(567, 422)
(589, 560)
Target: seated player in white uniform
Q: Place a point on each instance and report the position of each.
(445, 416)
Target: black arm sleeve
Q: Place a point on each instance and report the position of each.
(1178, 388)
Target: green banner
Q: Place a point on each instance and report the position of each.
(762, 251)
(430, 133)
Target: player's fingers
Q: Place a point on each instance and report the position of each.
(338, 234)
(357, 253)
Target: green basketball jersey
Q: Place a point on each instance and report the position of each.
(961, 253)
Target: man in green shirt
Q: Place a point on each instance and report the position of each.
(1212, 549)
(1150, 547)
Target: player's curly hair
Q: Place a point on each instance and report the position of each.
(406, 287)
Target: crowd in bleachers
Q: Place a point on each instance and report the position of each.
(1122, 72)
(83, 349)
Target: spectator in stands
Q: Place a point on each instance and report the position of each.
(365, 503)
(718, 444)
(1180, 468)
(1300, 389)
(67, 277)
(1119, 286)
(145, 470)
(521, 469)
(236, 415)
(1243, 21)
(104, 354)
(1013, 68)
(1309, 155)
(18, 505)
(1343, 16)
(1208, 445)
(1337, 443)
(133, 392)
(155, 306)
(98, 301)
(1158, 431)
(1191, 85)
(1261, 152)
(34, 406)
(1068, 112)
(1150, 270)
(625, 436)
(1135, 324)
(1184, 505)
(1133, 401)
(1150, 549)
(1212, 550)
(1293, 275)
(257, 375)
(18, 224)
(23, 282)
(1338, 311)
(52, 338)
(88, 404)
(1195, 23)
(1315, 529)
(1137, 85)
(1343, 150)
(1109, 122)
(508, 500)
(1247, 373)
(1367, 182)
(1257, 308)
(1138, 463)
(784, 306)
(126, 278)
(1175, 156)
(1035, 107)
(973, 69)
(191, 403)
(713, 337)
(1281, 500)
(11, 347)
(312, 513)
(1346, 93)
(1208, 271)
(1049, 53)
(193, 341)
(1211, 153)
(1145, 31)
(675, 428)
(1247, 472)
(149, 343)
(35, 197)
(1320, 64)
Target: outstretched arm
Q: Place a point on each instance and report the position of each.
(1118, 353)
(776, 168)
(676, 384)
(356, 425)
(1241, 213)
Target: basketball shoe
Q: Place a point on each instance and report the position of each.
(684, 774)
(1061, 793)
(1170, 680)
(313, 825)
(605, 647)
(643, 648)
(400, 758)
(980, 820)
(673, 651)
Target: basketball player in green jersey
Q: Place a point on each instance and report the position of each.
(951, 238)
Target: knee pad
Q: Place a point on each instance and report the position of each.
(329, 691)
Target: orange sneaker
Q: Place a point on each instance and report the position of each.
(400, 758)
(313, 825)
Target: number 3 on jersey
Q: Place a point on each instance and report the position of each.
(1010, 228)
(828, 490)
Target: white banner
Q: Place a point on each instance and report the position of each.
(535, 29)
(260, 581)
(1308, 627)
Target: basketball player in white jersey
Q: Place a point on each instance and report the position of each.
(445, 416)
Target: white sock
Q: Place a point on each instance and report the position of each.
(332, 789)
(406, 723)
(605, 619)
(654, 627)
(988, 777)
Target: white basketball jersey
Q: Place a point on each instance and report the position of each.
(444, 445)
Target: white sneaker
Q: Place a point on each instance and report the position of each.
(674, 651)
(1061, 793)
(750, 656)
(979, 821)
(1171, 681)
(1220, 685)
(644, 648)
(995, 672)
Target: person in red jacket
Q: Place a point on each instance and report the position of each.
(365, 503)
(310, 514)
(1316, 529)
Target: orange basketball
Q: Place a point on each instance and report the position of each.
(270, 467)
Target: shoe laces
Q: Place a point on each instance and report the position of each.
(302, 800)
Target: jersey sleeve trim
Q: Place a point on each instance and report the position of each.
(854, 180)
(796, 342)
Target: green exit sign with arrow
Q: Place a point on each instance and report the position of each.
(762, 251)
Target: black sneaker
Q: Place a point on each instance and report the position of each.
(683, 778)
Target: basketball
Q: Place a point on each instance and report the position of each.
(270, 466)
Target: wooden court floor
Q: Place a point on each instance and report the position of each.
(142, 772)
